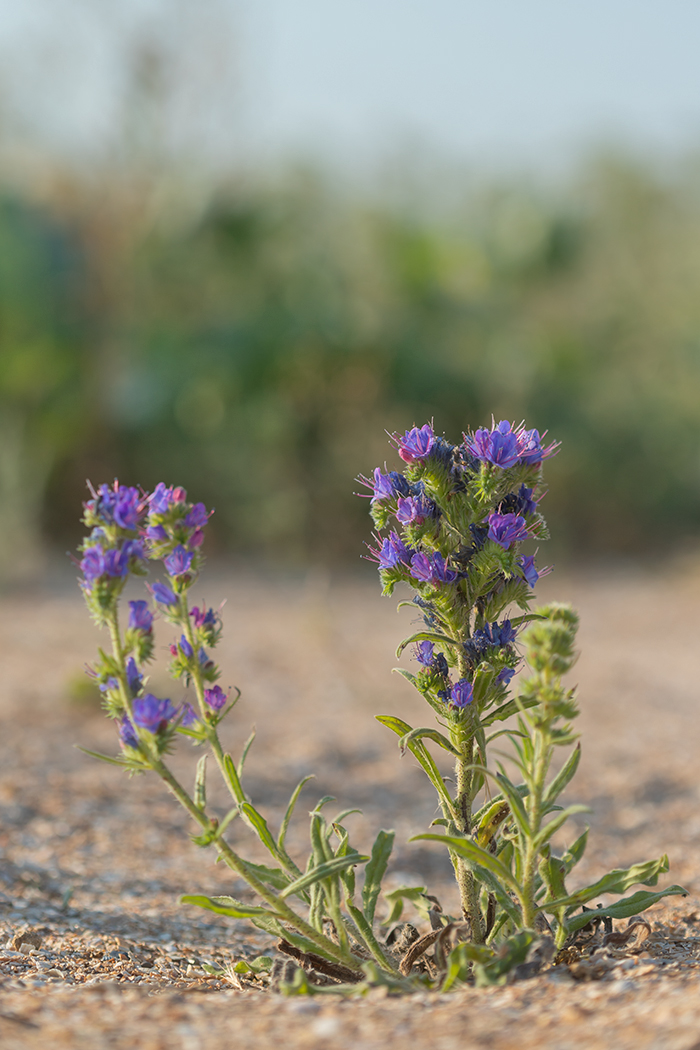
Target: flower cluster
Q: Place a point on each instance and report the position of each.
(455, 522)
(130, 528)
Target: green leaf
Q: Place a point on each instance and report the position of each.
(375, 871)
(228, 906)
(105, 758)
(200, 783)
(548, 830)
(616, 882)
(474, 854)
(563, 777)
(259, 825)
(575, 852)
(322, 871)
(516, 804)
(512, 707)
(290, 809)
(395, 898)
(422, 755)
(272, 876)
(425, 636)
(623, 909)
(246, 748)
(233, 779)
(432, 734)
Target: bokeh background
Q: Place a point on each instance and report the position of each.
(240, 239)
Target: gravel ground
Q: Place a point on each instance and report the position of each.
(99, 953)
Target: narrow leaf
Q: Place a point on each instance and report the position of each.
(258, 823)
(425, 636)
(246, 748)
(561, 818)
(322, 871)
(200, 783)
(563, 777)
(375, 871)
(227, 906)
(616, 882)
(623, 909)
(422, 756)
(290, 809)
(474, 854)
(432, 734)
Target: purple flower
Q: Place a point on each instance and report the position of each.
(506, 529)
(431, 568)
(152, 714)
(162, 594)
(498, 445)
(178, 563)
(203, 617)
(133, 549)
(461, 694)
(382, 487)
(189, 715)
(127, 507)
(93, 563)
(197, 517)
(140, 616)
(530, 573)
(530, 447)
(117, 562)
(393, 552)
(185, 647)
(414, 509)
(127, 734)
(133, 678)
(528, 505)
(504, 677)
(196, 539)
(416, 444)
(423, 653)
(204, 658)
(156, 532)
(216, 697)
(160, 499)
(111, 683)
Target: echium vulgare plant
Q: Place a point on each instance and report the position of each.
(452, 526)
(321, 919)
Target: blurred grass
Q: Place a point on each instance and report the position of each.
(253, 344)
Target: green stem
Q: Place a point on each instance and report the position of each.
(534, 807)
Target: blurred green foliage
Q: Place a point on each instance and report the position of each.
(254, 346)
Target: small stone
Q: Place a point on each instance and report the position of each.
(26, 937)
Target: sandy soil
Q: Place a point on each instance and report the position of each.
(94, 862)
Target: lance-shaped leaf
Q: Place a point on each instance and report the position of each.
(395, 899)
(107, 758)
(246, 748)
(228, 906)
(258, 823)
(555, 823)
(616, 882)
(322, 871)
(375, 871)
(575, 851)
(200, 783)
(516, 804)
(507, 710)
(422, 755)
(563, 777)
(425, 636)
(437, 705)
(233, 779)
(474, 855)
(624, 909)
(290, 809)
(431, 734)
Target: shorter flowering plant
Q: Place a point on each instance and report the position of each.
(322, 919)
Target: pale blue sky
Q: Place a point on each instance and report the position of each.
(508, 82)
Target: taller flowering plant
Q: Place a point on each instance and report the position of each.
(453, 526)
